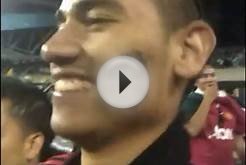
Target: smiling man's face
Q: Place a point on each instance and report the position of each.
(92, 32)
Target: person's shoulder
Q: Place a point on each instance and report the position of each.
(194, 95)
(238, 101)
(190, 100)
(56, 159)
(189, 105)
(59, 159)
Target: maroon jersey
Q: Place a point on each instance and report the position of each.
(214, 144)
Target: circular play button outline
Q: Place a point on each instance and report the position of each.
(123, 82)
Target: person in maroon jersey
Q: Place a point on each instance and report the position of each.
(173, 42)
(215, 121)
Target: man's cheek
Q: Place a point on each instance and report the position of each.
(4, 151)
(105, 44)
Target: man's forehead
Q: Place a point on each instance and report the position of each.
(6, 102)
(67, 5)
(6, 105)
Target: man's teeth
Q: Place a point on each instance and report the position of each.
(71, 84)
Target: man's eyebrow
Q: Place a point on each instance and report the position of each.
(89, 4)
(83, 6)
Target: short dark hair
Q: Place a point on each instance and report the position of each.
(31, 106)
(178, 13)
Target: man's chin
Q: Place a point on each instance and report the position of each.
(75, 129)
(88, 137)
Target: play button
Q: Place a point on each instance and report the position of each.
(123, 82)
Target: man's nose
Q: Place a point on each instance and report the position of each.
(62, 47)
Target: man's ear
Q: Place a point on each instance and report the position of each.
(196, 43)
(33, 145)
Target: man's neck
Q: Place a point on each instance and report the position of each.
(125, 149)
(33, 161)
(128, 147)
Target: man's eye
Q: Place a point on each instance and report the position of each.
(99, 16)
(92, 21)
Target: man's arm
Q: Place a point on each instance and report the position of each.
(239, 132)
(240, 146)
(198, 120)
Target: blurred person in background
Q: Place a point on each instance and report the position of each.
(174, 50)
(215, 122)
(25, 123)
(239, 150)
(235, 93)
